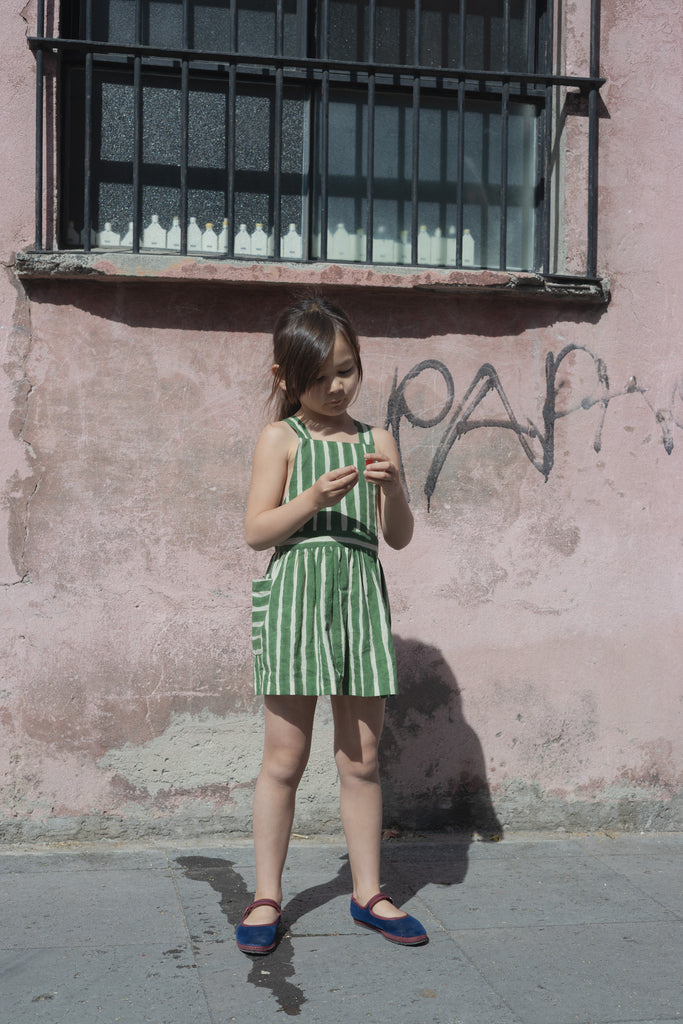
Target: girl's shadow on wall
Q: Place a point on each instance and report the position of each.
(434, 772)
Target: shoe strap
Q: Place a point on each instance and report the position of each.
(377, 899)
(262, 903)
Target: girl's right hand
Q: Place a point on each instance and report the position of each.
(331, 487)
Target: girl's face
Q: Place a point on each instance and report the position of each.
(332, 390)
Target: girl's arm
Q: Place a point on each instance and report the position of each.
(268, 522)
(395, 516)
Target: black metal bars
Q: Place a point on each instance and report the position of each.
(593, 128)
(320, 76)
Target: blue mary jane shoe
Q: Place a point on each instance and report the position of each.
(405, 930)
(258, 939)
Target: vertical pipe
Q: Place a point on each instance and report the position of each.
(414, 212)
(137, 130)
(461, 174)
(277, 132)
(531, 61)
(87, 155)
(504, 136)
(40, 91)
(370, 170)
(231, 112)
(137, 150)
(230, 194)
(184, 131)
(461, 135)
(593, 129)
(547, 136)
(277, 162)
(184, 150)
(370, 141)
(279, 28)
(188, 38)
(324, 160)
(233, 25)
(324, 130)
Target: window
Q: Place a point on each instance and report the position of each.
(378, 131)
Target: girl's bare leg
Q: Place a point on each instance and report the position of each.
(286, 747)
(358, 725)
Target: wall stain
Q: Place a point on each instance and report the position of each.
(537, 442)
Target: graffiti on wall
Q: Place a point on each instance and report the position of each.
(537, 441)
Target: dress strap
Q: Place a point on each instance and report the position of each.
(298, 427)
(364, 433)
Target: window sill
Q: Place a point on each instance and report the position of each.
(101, 265)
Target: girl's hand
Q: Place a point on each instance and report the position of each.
(333, 486)
(383, 468)
(380, 470)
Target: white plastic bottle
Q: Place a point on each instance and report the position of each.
(383, 247)
(194, 236)
(154, 236)
(291, 247)
(424, 245)
(451, 246)
(127, 239)
(259, 241)
(360, 246)
(405, 249)
(107, 236)
(209, 239)
(340, 244)
(173, 235)
(223, 237)
(467, 249)
(438, 249)
(243, 242)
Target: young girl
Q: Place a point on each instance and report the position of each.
(320, 481)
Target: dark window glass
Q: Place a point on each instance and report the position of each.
(254, 159)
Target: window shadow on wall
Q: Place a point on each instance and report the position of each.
(253, 309)
(434, 770)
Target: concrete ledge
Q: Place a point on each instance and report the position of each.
(519, 808)
(109, 265)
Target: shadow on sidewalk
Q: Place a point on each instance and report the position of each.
(221, 875)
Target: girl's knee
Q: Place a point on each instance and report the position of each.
(362, 769)
(284, 767)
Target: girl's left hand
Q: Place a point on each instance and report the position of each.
(380, 470)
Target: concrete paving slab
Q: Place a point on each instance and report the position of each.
(660, 877)
(536, 891)
(334, 980)
(589, 973)
(88, 859)
(528, 931)
(84, 908)
(630, 843)
(135, 984)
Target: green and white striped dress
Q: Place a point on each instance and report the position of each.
(320, 616)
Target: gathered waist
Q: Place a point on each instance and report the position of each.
(328, 538)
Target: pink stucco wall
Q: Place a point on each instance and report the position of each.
(538, 611)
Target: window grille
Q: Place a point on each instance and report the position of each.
(416, 132)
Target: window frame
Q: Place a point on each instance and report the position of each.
(541, 87)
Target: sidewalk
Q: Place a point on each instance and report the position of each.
(533, 930)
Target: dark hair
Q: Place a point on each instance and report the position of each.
(302, 340)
